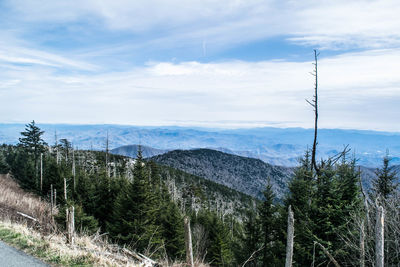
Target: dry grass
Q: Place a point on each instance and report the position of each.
(13, 199)
(54, 250)
(40, 238)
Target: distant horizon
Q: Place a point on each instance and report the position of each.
(205, 127)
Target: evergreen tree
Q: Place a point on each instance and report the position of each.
(32, 140)
(135, 212)
(252, 239)
(267, 216)
(300, 197)
(219, 252)
(33, 143)
(385, 183)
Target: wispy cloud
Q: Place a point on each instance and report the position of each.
(82, 61)
(10, 54)
(327, 24)
(353, 93)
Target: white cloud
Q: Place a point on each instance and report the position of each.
(322, 23)
(11, 54)
(358, 90)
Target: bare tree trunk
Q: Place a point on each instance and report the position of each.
(65, 189)
(41, 172)
(73, 167)
(67, 221)
(55, 197)
(379, 237)
(362, 244)
(314, 104)
(188, 243)
(51, 202)
(70, 215)
(290, 236)
(107, 167)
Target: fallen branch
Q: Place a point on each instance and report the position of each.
(252, 255)
(328, 254)
(27, 216)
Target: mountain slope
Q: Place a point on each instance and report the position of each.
(131, 151)
(246, 175)
(276, 146)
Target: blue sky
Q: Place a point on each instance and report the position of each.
(205, 63)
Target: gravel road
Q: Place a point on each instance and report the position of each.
(11, 257)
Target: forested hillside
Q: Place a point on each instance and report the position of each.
(137, 203)
(246, 175)
(132, 151)
(141, 204)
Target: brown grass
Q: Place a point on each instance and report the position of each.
(14, 201)
(95, 249)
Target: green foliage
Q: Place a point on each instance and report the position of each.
(252, 239)
(323, 205)
(385, 184)
(84, 223)
(219, 252)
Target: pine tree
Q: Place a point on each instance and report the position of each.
(135, 212)
(301, 198)
(32, 140)
(252, 239)
(385, 183)
(268, 221)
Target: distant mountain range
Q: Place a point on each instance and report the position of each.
(132, 151)
(243, 174)
(276, 146)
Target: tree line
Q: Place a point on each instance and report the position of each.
(132, 204)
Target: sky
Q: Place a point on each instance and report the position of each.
(215, 63)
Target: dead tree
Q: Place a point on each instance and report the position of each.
(70, 223)
(51, 201)
(41, 172)
(362, 244)
(73, 167)
(314, 104)
(57, 148)
(65, 189)
(290, 236)
(107, 167)
(379, 237)
(188, 243)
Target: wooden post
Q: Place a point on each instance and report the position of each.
(362, 244)
(188, 243)
(379, 237)
(41, 172)
(290, 236)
